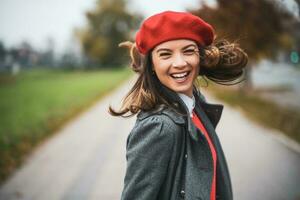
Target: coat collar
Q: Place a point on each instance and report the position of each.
(188, 101)
(213, 111)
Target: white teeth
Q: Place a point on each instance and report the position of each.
(181, 75)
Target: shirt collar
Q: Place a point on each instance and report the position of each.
(188, 101)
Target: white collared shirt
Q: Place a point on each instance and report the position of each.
(188, 101)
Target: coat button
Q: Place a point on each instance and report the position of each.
(182, 193)
(185, 156)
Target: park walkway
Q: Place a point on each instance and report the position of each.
(85, 160)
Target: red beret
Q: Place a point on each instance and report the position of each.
(170, 25)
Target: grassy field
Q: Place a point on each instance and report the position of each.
(264, 112)
(36, 103)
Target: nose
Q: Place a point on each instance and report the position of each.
(178, 61)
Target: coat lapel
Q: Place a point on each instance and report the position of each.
(223, 176)
(213, 111)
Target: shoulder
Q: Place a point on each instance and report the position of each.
(164, 114)
(162, 124)
(165, 118)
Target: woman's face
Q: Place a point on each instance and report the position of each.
(176, 64)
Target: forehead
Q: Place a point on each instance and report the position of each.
(175, 44)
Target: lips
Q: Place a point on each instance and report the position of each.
(180, 77)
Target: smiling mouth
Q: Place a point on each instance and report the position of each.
(180, 76)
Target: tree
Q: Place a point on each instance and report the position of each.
(261, 27)
(2, 51)
(298, 4)
(108, 25)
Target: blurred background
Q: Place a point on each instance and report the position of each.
(59, 57)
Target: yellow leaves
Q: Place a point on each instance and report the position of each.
(99, 47)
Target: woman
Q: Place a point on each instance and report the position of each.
(173, 151)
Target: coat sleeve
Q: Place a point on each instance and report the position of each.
(148, 152)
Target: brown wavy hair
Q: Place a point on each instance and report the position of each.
(222, 62)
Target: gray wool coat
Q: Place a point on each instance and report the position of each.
(168, 158)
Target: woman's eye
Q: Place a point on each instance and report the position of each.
(164, 54)
(189, 51)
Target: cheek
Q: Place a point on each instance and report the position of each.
(155, 63)
(195, 63)
(160, 66)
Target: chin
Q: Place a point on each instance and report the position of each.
(186, 90)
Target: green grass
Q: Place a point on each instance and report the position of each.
(36, 103)
(264, 112)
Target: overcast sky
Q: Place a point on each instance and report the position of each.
(37, 20)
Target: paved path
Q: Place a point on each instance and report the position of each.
(86, 160)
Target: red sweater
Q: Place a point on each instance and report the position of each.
(200, 126)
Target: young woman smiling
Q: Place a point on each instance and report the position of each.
(173, 151)
(176, 64)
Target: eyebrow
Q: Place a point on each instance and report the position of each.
(165, 49)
